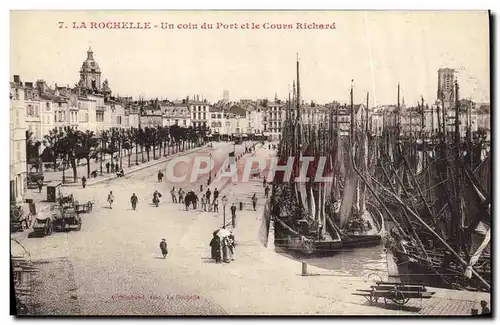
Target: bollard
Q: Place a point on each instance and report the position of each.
(304, 268)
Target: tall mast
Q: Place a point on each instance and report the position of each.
(298, 117)
(457, 118)
(351, 133)
(397, 116)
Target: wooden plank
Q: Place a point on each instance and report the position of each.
(400, 287)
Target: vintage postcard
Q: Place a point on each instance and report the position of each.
(250, 163)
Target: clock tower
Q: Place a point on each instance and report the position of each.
(90, 73)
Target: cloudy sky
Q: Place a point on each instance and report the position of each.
(375, 49)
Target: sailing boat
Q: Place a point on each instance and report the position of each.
(304, 217)
(360, 222)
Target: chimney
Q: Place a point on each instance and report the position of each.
(17, 79)
(40, 86)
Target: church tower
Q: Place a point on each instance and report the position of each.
(90, 74)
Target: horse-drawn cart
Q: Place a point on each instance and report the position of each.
(397, 293)
(84, 207)
(66, 217)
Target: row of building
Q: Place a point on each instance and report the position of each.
(91, 105)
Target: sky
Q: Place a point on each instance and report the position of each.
(376, 49)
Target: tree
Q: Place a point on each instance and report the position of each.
(52, 143)
(32, 151)
(69, 143)
(87, 147)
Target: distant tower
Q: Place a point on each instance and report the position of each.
(90, 74)
(225, 96)
(445, 87)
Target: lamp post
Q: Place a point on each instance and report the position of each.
(210, 172)
(224, 202)
(102, 145)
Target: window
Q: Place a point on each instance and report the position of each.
(204, 116)
(218, 115)
(17, 119)
(18, 151)
(47, 107)
(92, 64)
(213, 115)
(184, 122)
(17, 94)
(176, 122)
(214, 124)
(86, 117)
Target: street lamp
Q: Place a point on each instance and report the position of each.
(224, 202)
(210, 175)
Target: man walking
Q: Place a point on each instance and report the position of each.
(107, 167)
(163, 247)
(216, 194)
(208, 194)
(160, 176)
(174, 197)
(181, 195)
(254, 201)
(111, 198)
(84, 181)
(40, 186)
(216, 205)
(233, 215)
(203, 203)
(266, 191)
(133, 201)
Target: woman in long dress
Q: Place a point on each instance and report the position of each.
(226, 252)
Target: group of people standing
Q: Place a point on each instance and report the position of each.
(208, 202)
(222, 248)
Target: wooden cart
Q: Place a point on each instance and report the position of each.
(68, 218)
(84, 207)
(397, 293)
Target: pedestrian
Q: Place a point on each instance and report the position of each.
(160, 176)
(213, 245)
(226, 253)
(254, 201)
(216, 194)
(216, 248)
(133, 201)
(187, 200)
(266, 191)
(111, 198)
(203, 202)
(216, 205)
(164, 247)
(40, 186)
(208, 194)
(181, 195)
(264, 182)
(195, 199)
(107, 167)
(174, 197)
(232, 244)
(485, 310)
(156, 198)
(233, 215)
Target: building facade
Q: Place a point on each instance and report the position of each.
(17, 128)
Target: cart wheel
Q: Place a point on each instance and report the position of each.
(398, 297)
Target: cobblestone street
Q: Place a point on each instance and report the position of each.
(113, 265)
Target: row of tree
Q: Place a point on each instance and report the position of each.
(70, 145)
